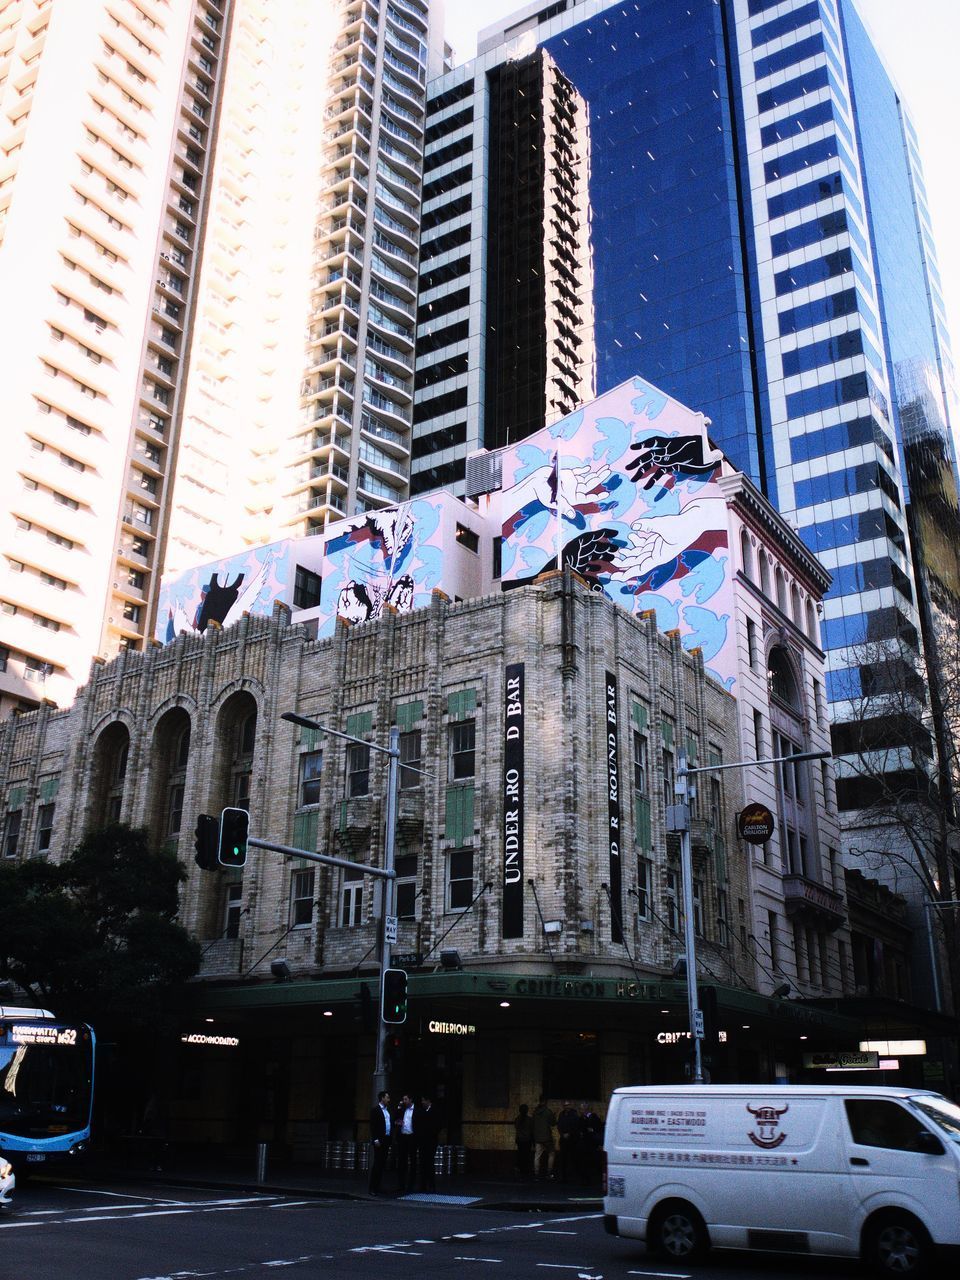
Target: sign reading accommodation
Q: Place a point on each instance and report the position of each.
(513, 715)
(755, 824)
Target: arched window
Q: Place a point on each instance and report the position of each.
(813, 628)
(110, 755)
(781, 679)
(765, 574)
(781, 590)
(796, 611)
(746, 554)
(170, 755)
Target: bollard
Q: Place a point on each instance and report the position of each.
(261, 1162)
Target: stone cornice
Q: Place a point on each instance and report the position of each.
(740, 491)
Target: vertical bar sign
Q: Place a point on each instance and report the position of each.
(613, 808)
(513, 802)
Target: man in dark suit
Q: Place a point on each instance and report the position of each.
(426, 1131)
(380, 1134)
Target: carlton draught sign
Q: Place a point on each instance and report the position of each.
(755, 824)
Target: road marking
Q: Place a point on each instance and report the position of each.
(674, 1275)
(544, 1232)
(292, 1204)
(120, 1195)
(470, 1258)
(562, 1266)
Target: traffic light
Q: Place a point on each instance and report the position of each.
(393, 996)
(205, 842)
(234, 832)
(711, 1025)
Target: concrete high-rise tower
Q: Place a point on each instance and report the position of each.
(209, 220)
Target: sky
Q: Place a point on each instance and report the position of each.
(920, 43)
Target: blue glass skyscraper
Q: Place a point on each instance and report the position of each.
(756, 242)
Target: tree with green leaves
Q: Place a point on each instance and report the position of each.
(95, 937)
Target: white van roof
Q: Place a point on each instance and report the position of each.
(780, 1090)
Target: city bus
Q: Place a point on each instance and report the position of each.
(46, 1088)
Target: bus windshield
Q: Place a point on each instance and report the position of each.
(46, 1073)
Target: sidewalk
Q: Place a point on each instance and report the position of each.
(216, 1173)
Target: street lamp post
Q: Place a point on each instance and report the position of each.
(678, 819)
(392, 752)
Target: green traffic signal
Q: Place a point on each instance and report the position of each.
(234, 833)
(393, 996)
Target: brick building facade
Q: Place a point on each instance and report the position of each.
(553, 964)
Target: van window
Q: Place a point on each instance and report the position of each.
(876, 1123)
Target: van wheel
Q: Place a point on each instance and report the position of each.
(676, 1231)
(897, 1245)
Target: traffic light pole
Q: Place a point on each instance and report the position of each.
(679, 821)
(386, 946)
(387, 873)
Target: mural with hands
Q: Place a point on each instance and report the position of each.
(624, 491)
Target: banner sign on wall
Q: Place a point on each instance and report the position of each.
(513, 714)
(613, 808)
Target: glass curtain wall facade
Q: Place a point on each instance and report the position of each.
(758, 246)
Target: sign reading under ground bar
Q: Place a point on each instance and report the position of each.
(613, 807)
(513, 717)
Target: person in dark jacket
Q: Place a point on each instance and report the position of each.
(568, 1129)
(589, 1142)
(381, 1128)
(405, 1144)
(523, 1129)
(426, 1132)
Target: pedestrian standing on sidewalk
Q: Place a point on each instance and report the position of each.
(523, 1129)
(590, 1141)
(543, 1152)
(406, 1146)
(568, 1126)
(426, 1131)
(381, 1128)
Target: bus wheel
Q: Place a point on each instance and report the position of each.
(897, 1245)
(676, 1231)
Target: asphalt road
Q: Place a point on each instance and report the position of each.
(126, 1232)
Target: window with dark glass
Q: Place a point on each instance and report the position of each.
(459, 879)
(306, 588)
(311, 768)
(232, 909)
(878, 1123)
(301, 898)
(175, 809)
(45, 826)
(11, 833)
(351, 899)
(411, 759)
(358, 769)
(405, 901)
(462, 750)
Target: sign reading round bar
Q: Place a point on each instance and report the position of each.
(755, 824)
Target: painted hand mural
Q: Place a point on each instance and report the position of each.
(633, 507)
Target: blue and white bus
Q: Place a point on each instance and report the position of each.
(46, 1087)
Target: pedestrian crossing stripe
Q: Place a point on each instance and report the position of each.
(428, 1197)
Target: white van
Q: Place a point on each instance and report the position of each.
(857, 1172)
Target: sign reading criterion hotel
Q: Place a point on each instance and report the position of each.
(513, 801)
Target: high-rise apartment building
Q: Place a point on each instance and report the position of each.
(209, 218)
(758, 245)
